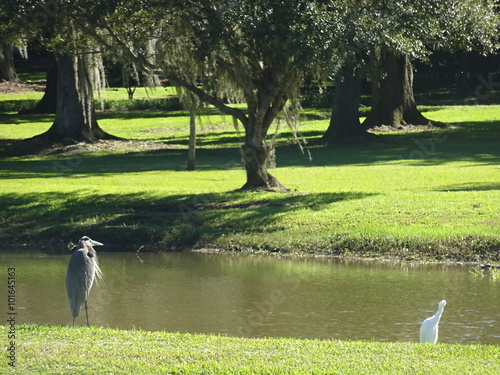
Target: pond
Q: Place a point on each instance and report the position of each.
(257, 296)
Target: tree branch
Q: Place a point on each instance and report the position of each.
(210, 99)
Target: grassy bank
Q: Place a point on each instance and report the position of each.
(410, 194)
(68, 350)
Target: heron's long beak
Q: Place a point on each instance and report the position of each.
(96, 243)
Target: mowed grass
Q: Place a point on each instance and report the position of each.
(409, 194)
(78, 350)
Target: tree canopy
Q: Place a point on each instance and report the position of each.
(383, 37)
(255, 51)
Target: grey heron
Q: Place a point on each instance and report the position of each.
(83, 268)
(430, 326)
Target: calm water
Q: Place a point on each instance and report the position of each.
(264, 296)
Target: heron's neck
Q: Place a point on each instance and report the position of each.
(439, 312)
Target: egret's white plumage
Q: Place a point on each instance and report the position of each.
(430, 326)
(83, 268)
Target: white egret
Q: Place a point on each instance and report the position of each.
(430, 326)
(83, 268)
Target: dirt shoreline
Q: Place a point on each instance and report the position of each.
(414, 258)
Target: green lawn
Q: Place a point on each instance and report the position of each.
(68, 350)
(411, 194)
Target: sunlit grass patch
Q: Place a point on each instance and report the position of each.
(58, 350)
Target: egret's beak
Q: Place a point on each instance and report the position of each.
(96, 243)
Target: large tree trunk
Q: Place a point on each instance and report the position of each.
(393, 99)
(344, 122)
(7, 71)
(256, 156)
(263, 109)
(75, 114)
(48, 103)
(75, 119)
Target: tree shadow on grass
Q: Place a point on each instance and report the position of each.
(418, 149)
(21, 119)
(133, 162)
(129, 221)
(477, 142)
(216, 139)
(486, 186)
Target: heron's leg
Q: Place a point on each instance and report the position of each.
(73, 321)
(87, 314)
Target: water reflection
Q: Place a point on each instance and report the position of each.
(265, 296)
